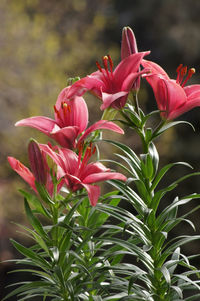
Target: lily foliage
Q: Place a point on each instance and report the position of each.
(116, 245)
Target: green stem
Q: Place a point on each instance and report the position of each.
(135, 101)
(158, 289)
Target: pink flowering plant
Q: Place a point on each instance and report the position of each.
(89, 245)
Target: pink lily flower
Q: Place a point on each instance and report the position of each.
(78, 173)
(172, 97)
(111, 86)
(40, 170)
(71, 119)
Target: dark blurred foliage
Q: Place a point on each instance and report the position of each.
(44, 42)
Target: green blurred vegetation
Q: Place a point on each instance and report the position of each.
(44, 42)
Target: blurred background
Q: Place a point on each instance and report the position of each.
(44, 42)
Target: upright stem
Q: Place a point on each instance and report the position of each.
(135, 100)
(158, 292)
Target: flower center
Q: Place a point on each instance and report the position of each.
(107, 71)
(90, 150)
(63, 114)
(183, 75)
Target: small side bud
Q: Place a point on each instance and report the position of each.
(36, 162)
(72, 80)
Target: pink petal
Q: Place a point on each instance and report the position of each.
(55, 156)
(62, 97)
(92, 168)
(70, 160)
(187, 106)
(104, 176)
(109, 99)
(174, 97)
(85, 84)
(41, 123)
(130, 79)
(65, 136)
(79, 112)
(101, 124)
(23, 171)
(93, 193)
(169, 95)
(76, 115)
(128, 65)
(154, 68)
(192, 91)
(73, 182)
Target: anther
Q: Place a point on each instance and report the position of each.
(190, 73)
(105, 62)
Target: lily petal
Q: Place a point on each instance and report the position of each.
(85, 84)
(154, 68)
(70, 159)
(108, 99)
(41, 123)
(65, 136)
(93, 193)
(104, 176)
(128, 65)
(93, 168)
(101, 124)
(192, 91)
(76, 113)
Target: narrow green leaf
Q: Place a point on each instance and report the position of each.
(164, 170)
(35, 257)
(166, 126)
(36, 203)
(43, 193)
(34, 221)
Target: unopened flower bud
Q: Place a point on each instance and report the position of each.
(37, 162)
(128, 47)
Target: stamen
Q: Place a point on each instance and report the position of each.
(66, 107)
(178, 72)
(104, 72)
(88, 154)
(80, 151)
(105, 62)
(107, 74)
(56, 111)
(179, 68)
(183, 72)
(99, 66)
(190, 73)
(111, 62)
